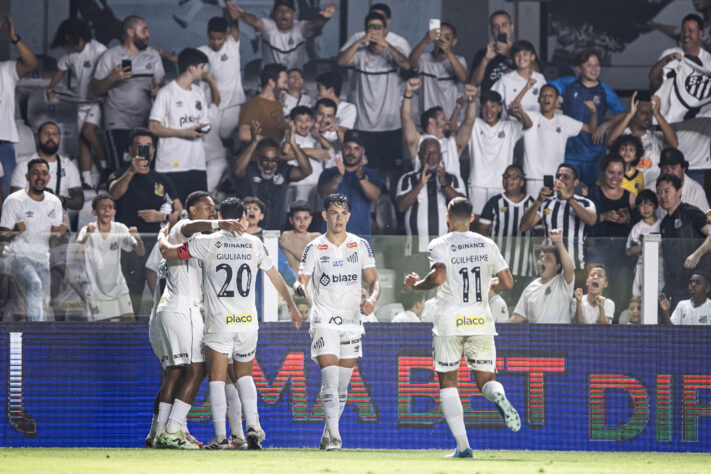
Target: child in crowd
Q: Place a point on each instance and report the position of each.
(633, 313)
(293, 242)
(696, 311)
(593, 307)
(413, 302)
(646, 203)
(630, 148)
(255, 208)
(294, 94)
(102, 253)
(509, 85)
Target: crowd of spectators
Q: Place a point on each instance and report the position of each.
(560, 158)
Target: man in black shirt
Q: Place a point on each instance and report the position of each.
(684, 238)
(492, 62)
(144, 199)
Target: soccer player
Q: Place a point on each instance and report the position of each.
(176, 329)
(230, 263)
(462, 265)
(335, 263)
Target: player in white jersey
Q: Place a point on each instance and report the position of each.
(230, 264)
(334, 264)
(176, 328)
(462, 267)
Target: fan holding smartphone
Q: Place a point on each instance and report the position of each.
(493, 61)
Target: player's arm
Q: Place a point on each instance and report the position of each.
(371, 278)
(199, 226)
(239, 167)
(506, 281)
(602, 317)
(302, 281)
(665, 305)
(170, 251)
(516, 319)
(670, 137)
(304, 168)
(436, 276)
(278, 282)
(531, 217)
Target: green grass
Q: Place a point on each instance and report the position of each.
(360, 461)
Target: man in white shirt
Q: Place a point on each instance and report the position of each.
(328, 86)
(335, 264)
(10, 73)
(414, 304)
(547, 299)
(283, 39)
(462, 265)
(179, 119)
(697, 309)
(231, 321)
(29, 218)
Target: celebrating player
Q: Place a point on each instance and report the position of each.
(230, 263)
(462, 266)
(335, 263)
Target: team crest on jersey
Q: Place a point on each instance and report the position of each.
(352, 245)
(323, 247)
(149, 66)
(50, 215)
(87, 64)
(159, 189)
(353, 258)
(558, 130)
(547, 211)
(596, 100)
(501, 134)
(702, 319)
(198, 105)
(505, 209)
(179, 103)
(534, 91)
(114, 246)
(224, 57)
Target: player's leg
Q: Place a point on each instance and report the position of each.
(165, 398)
(447, 352)
(234, 411)
(243, 355)
(217, 360)
(480, 352)
(326, 351)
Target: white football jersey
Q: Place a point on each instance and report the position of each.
(183, 281)
(686, 314)
(463, 299)
(230, 265)
(336, 273)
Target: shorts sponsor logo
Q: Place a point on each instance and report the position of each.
(245, 318)
(337, 320)
(183, 355)
(318, 344)
(480, 362)
(470, 321)
(447, 364)
(351, 341)
(323, 247)
(251, 353)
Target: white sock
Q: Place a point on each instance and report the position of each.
(234, 410)
(248, 396)
(491, 388)
(178, 416)
(218, 408)
(154, 423)
(163, 414)
(329, 398)
(344, 378)
(454, 414)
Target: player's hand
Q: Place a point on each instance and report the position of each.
(432, 35)
(151, 215)
(255, 129)
(656, 105)
(600, 301)
(296, 318)
(291, 134)
(633, 104)
(515, 109)
(591, 106)
(410, 280)
(664, 302)
(8, 25)
(133, 230)
(300, 289)
(234, 10)
(20, 227)
(138, 164)
(329, 10)
(231, 225)
(444, 45)
(490, 51)
(544, 193)
(412, 85)
(50, 95)
(530, 83)
(559, 187)
(556, 236)
(691, 261)
(367, 306)
(673, 57)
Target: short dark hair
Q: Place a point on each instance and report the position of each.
(195, 197)
(554, 250)
(331, 79)
(450, 26)
(593, 266)
(271, 71)
(374, 16)
(429, 114)
(490, 96)
(571, 167)
(70, 31)
(266, 143)
(460, 208)
(670, 178)
(298, 206)
(36, 161)
(522, 45)
(217, 24)
(101, 197)
(326, 103)
(129, 23)
(381, 7)
(646, 195)
(296, 69)
(644, 96)
(549, 86)
(694, 17)
(583, 56)
(499, 12)
(610, 158)
(141, 132)
(190, 57)
(301, 110)
(629, 139)
(44, 124)
(255, 200)
(410, 298)
(338, 200)
(232, 208)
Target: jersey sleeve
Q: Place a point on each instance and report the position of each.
(521, 306)
(199, 247)
(609, 308)
(265, 261)
(63, 63)
(18, 179)
(487, 214)
(367, 256)
(103, 66)
(437, 252)
(10, 211)
(58, 212)
(404, 185)
(159, 111)
(498, 263)
(561, 83)
(613, 100)
(457, 183)
(676, 315)
(81, 234)
(72, 177)
(571, 127)
(308, 260)
(349, 116)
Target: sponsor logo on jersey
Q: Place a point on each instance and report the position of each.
(504, 208)
(325, 280)
(325, 259)
(338, 263)
(353, 258)
(232, 245)
(469, 245)
(179, 103)
(188, 119)
(218, 244)
(323, 247)
(352, 245)
(470, 321)
(337, 320)
(244, 318)
(344, 278)
(306, 253)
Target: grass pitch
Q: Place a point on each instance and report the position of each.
(349, 460)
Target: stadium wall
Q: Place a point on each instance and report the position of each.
(594, 388)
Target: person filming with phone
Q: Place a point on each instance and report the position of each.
(493, 61)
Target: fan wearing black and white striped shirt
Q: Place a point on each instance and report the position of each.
(565, 210)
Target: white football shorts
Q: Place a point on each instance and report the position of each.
(176, 337)
(236, 346)
(479, 352)
(345, 344)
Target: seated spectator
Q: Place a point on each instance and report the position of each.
(647, 204)
(63, 181)
(593, 307)
(423, 195)
(443, 73)
(545, 133)
(565, 210)
(493, 61)
(328, 86)
(696, 310)
(304, 306)
(672, 161)
(585, 150)
(638, 123)
(511, 85)
(265, 107)
(547, 299)
(630, 148)
(283, 39)
(351, 178)
(633, 313)
(83, 52)
(293, 95)
(682, 230)
(293, 242)
(414, 304)
(102, 243)
(266, 176)
(303, 119)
